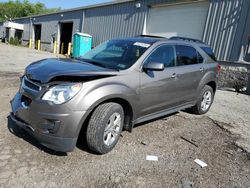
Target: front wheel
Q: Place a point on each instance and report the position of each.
(205, 101)
(105, 126)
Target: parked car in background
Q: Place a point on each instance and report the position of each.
(116, 85)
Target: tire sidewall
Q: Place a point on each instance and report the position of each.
(203, 91)
(101, 128)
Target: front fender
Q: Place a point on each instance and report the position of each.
(108, 92)
(100, 94)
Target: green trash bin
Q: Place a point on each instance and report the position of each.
(82, 43)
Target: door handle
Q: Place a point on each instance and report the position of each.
(174, 75)
(201, 69)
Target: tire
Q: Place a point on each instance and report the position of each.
(104, 129)
(199, 108)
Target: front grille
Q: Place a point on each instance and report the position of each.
(31, 85)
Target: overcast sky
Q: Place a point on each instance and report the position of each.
(66, 4)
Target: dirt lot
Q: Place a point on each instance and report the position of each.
(15, 59)
(24, 163)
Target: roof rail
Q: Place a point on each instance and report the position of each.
(152, 36)
(186, 39)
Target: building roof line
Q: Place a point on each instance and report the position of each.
(78, 8)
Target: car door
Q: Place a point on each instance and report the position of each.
(189, 71)
(158, 88)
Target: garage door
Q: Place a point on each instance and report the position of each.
(186, 20)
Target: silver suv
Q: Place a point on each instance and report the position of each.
(116, 85)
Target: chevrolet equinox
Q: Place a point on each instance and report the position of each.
(111, 88)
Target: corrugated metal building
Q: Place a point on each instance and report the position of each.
(1, 29)
(50, 27)
(223, 24)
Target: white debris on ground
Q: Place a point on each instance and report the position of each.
(151, 158)
(200, 162)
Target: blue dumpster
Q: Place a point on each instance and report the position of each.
(82, 43)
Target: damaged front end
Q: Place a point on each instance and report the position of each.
(45, 105)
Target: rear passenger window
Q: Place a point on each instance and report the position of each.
(163, 54)
(187, 55)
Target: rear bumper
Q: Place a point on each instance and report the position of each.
(52, 142)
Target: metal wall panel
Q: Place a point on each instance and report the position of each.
(26, 31)
(114, 21)
(242, 34)
(50, 24)
(119, 20)
(1, 31)
(225, 27)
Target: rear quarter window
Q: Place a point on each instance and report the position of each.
(209, 52)
(187, 55)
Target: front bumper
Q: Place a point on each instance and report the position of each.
(55, 143)
(54, 126)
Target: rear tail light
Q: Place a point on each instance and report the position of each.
(218, 68)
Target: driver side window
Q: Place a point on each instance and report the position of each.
(163, 54)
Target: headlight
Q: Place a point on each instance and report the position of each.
(61, 93)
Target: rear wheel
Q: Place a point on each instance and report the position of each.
(205, 101)
(105, 126)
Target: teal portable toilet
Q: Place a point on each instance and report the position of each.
(82, 43)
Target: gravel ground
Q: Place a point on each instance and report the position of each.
(25, 163)
(231, 111)
(15, 58)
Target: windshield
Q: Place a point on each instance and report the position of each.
(116, 54)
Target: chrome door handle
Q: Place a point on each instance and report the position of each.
(201, 69)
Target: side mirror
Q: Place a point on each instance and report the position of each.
(154, 66)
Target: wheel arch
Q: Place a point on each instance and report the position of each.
(126, 105)
(213, 85)
(127, 108)
(208, 79)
